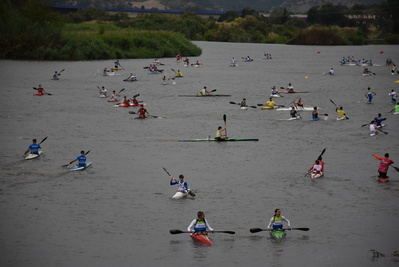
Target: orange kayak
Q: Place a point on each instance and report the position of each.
(202, 238)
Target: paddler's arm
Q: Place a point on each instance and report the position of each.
(287, 221)
(270, 223)
(190, 227)
(208, 226)
(173, 181)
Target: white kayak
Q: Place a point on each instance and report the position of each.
(110, 73)
(275, 95)
(179, 195)
(244, 108)
(33, 156)
(291, 119)
(298, 108)
(77, 168)
(314, 175)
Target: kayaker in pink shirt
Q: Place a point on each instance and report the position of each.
(385, 162)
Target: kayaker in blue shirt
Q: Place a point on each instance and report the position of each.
(182, 185)
(370, 95)
(81, 159)
(315, 114)
(276, 222)
(200, 224)
(34, 148)
(378, 121)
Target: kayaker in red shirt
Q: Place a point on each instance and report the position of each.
(40, 90)
(142, 112)
(134, 101)
(384, 166)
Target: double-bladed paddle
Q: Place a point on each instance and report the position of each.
(66, 165)
(191, 193)
(256, 230)
(234, 103)
(44, 139)
(176, 231)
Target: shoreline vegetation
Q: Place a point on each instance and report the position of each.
(31, 30)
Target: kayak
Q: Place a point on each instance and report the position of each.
(76, 168)
(275, 95)
(121, 105)
(233, 65)
(103, 96)
(316, 175)
(383, 180)
(201, 95)
(291, 119)
(297, 108)
(221, 141)
(341, 119)
(295, 92)
(113, 100)
(268, 108)
(367, 74)
(38, 94)
(116, 69)
(179, 195)
(277, 234)
(33, 156)
(202, 239)
(244, 108)
(110, 73)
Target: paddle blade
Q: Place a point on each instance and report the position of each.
(123, 89)
(332, 101)
(321, 154)
(253, 106)
(234, 103)
(136, 95)
(225, 232)
(214, 90)
(255, 230)
(175, 232)
(224, 118)
(396, 168)
(87, 152)
(132, 112)
(299, 228)
(165, 170)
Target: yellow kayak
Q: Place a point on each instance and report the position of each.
(267, 108)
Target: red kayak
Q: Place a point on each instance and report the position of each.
(39, 94)
(202, 239)
(383, 180)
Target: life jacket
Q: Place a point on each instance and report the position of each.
(340, 113)
(270, 103)
(81, 160)
(277, 220)
(200, 225)
(142, 112)
(384, 165)
(34, 148)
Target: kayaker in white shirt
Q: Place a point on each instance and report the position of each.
(276, 222)
(200, 224)
(221, 134)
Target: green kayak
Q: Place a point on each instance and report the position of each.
(277, 234)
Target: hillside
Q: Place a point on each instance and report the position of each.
(292, 5)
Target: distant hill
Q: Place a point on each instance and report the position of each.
(261, 5)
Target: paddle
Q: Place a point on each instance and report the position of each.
(234, 103)
(35, 88)
(256, 230)
(189, 191)
(44, 139)
(336, 106)
(384, 132)
(225, 128)
(318, 158)
(59, 73)
(66, 165)
(120, 91)
(175, 232)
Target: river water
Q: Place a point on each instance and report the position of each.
(119, 211)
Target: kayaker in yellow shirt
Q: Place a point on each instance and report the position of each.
(179, 74)
(270, 104)
(341, 114)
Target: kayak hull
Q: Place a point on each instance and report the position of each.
(316, 175)
(76, 168)
(33, 156)
(201, 239)
(277, 234)
(298, 108)
(179, 195)
(383, 180)
(221, 141)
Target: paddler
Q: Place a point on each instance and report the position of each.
(290, 89)
(370, 95)
(317, 167)
(270, 104)
(200, 224)
(55, 75)
(276, 222)
(243, 103)
(378, 121)
(179, 74)
(204, 91)
(373, 128)
(220, 134)
(81, 159)
(315, 114)
(275, 91)
(40, 90)
(331, 71)
(131, 78)
(299, 103)
(294, 113)
(34, 148)
(182, 185)
(393, 95)
(114, 96)
(134, 101)
(117, 65)
(103, 91)
(142, 112)
(385, 162)
(341, 115)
